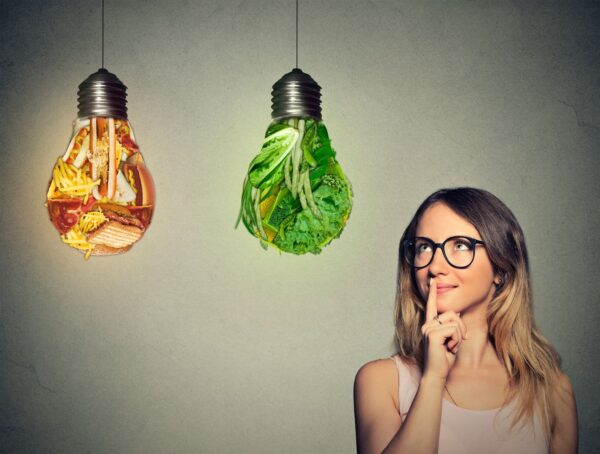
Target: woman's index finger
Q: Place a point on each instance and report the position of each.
(431, 309)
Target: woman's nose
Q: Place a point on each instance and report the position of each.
(438, 264)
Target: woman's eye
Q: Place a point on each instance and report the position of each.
(423, 247)
(462, 245)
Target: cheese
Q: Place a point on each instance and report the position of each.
(71, 181)
(131, 180)
(76, 239)
(91, 221)
(119, 152)
(51, 190)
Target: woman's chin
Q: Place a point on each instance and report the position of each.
(445, 306)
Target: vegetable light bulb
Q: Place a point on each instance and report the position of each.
(296, 197)
(101, 195)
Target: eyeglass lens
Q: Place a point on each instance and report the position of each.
(458, 251)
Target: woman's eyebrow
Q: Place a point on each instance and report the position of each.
(451, 236)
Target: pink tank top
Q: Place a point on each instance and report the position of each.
(472, 431)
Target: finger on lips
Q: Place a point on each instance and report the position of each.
(448, 325)
(431, 308)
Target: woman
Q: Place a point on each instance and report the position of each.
(473, 373)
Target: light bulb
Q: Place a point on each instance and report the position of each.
(101, 195)
(296, 197)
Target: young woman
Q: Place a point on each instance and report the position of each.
(473, 373)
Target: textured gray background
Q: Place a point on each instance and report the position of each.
(199, 341)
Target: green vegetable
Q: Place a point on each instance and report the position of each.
(287, 171)
(307, 233)
(308, 142)
(296, 159)
(274, 150)
(273, 128)
(261, 230)
(309, 196)
(296, 197)
(246, 214)
(322, 150)
(284, 207)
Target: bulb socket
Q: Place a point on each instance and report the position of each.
(102, 94)
(296, 94)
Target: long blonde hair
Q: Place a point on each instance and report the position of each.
(531, 362)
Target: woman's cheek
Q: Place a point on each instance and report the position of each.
(421, 278)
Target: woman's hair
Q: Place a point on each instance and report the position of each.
(531, 362)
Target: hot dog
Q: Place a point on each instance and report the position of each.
(143, 185)
(103, 157)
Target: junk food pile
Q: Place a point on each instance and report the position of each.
(101, 195)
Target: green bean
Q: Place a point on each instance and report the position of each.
(297, 159)
(247, 210)
(302, 198)
(263, 235)
(287, 171)
(239, 218)
(250, 212)
(309, 197)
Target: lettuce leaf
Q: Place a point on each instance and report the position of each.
(306, 233)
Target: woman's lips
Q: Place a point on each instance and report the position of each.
(445, 289)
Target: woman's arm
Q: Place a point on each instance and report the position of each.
(379, 426)
(565, 430)
(376, 413)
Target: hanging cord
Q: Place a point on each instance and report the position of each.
(296, 33)
(102, 33)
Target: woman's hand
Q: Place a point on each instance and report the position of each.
(442, 336)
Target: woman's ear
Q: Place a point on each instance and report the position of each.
(499, 279)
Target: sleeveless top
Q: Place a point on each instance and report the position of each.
(473, 431)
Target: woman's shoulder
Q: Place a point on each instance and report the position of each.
(563, 382)
(563, 396)
(379, 371)
(377, 377)
(384, 370)
(564, 425)
(376, 391)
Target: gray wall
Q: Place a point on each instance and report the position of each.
(199, 341)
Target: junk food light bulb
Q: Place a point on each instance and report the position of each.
(296, 197)
(101, 195)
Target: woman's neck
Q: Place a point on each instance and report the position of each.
(477, 350)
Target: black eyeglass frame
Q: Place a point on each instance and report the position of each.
(407, 244)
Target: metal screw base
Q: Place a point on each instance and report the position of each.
(102, 94)
(296, 94)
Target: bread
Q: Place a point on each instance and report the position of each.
(101, 249)
(115, 235)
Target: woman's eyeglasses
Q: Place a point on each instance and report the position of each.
(459, 251)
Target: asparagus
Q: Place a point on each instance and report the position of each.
(261, 231)
(297, 159)
(309, 196)
(287, 171)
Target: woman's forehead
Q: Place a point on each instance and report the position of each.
(439, 222)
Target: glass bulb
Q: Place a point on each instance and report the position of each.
(101, 195)
(296, 197)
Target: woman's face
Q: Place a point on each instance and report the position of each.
(457, 289)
